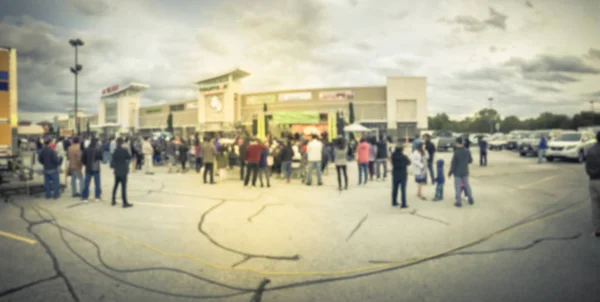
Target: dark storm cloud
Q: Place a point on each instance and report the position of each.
(496, 19)
(595, 94)
(550, 77)
(543, 88)
(487, 74)
(473, 24)
(529, 4)
(297, 33)
(92, 7)
(594, 53)
(547, 63)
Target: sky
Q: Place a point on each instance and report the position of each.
(529, 56)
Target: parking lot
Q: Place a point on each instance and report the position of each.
(184, 240)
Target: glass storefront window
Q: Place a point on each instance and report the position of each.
(111, 112)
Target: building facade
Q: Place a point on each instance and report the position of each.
(398, 108)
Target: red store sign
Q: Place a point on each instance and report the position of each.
(110, 89)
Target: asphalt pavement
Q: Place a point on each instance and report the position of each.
(526, 238)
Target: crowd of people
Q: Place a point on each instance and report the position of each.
(261, 159)
(257, 160)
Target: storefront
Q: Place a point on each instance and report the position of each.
(119, 108)
(399, 108)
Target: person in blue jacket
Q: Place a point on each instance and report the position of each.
(483, 146)
(439, 180)
(263, 168)
(542, 147)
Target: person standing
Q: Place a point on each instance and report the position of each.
(243, 147)
(253, 152)
(430, 148)
(222, 162)
(75, 167)
(340, 157)
(49, 160)
(183, 155)
(362, 157)
(400, 162)
(314, 152)
(91, 158)
(61, 154)
(112, 147)
(171, 153)
(382, 158)
(198, 155)
(106, 150)
(147, 151)
(415, 142)
(592, 167)
(439, 181)
(372, 156)
(287, 154)
(263, 168)
(482, 152)
(120, 158)
(419, 162)
(542, 147)
(459, 167)
(209, 152)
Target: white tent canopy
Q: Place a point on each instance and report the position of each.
(311, 130)
(356, 127)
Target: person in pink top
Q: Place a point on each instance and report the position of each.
(362, 156)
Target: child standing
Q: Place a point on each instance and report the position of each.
(440, 180)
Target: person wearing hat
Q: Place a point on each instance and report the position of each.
(419, 162)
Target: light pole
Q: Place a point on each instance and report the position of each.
(75, 70)
(491, 99)
(593, 113)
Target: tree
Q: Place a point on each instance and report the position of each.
(351, 113)
(170, 123)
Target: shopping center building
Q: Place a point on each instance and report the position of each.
(399, 107)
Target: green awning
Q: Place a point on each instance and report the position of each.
(295, 117)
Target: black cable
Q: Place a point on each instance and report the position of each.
(392, 268)
(55, 264)
(241, 291)
(24, 286)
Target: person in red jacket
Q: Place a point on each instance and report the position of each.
(253, 152)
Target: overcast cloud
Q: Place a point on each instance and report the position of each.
(530, 56)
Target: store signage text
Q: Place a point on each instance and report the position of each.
(343, 95)
(110, 89)
(295, 96)
(155, 110)
(260, 99)
(214, 87)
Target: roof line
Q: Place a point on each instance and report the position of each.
(322, 89)
(223, 74)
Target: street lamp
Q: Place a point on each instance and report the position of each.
(491, 99)
(75, 70)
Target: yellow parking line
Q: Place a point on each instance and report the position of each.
(160, 205)
(17, 237)
(525, 186)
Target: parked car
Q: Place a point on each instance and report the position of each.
(529, 145)
(445, 140)
(497, 141)
(513, 139)
(571, 145)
